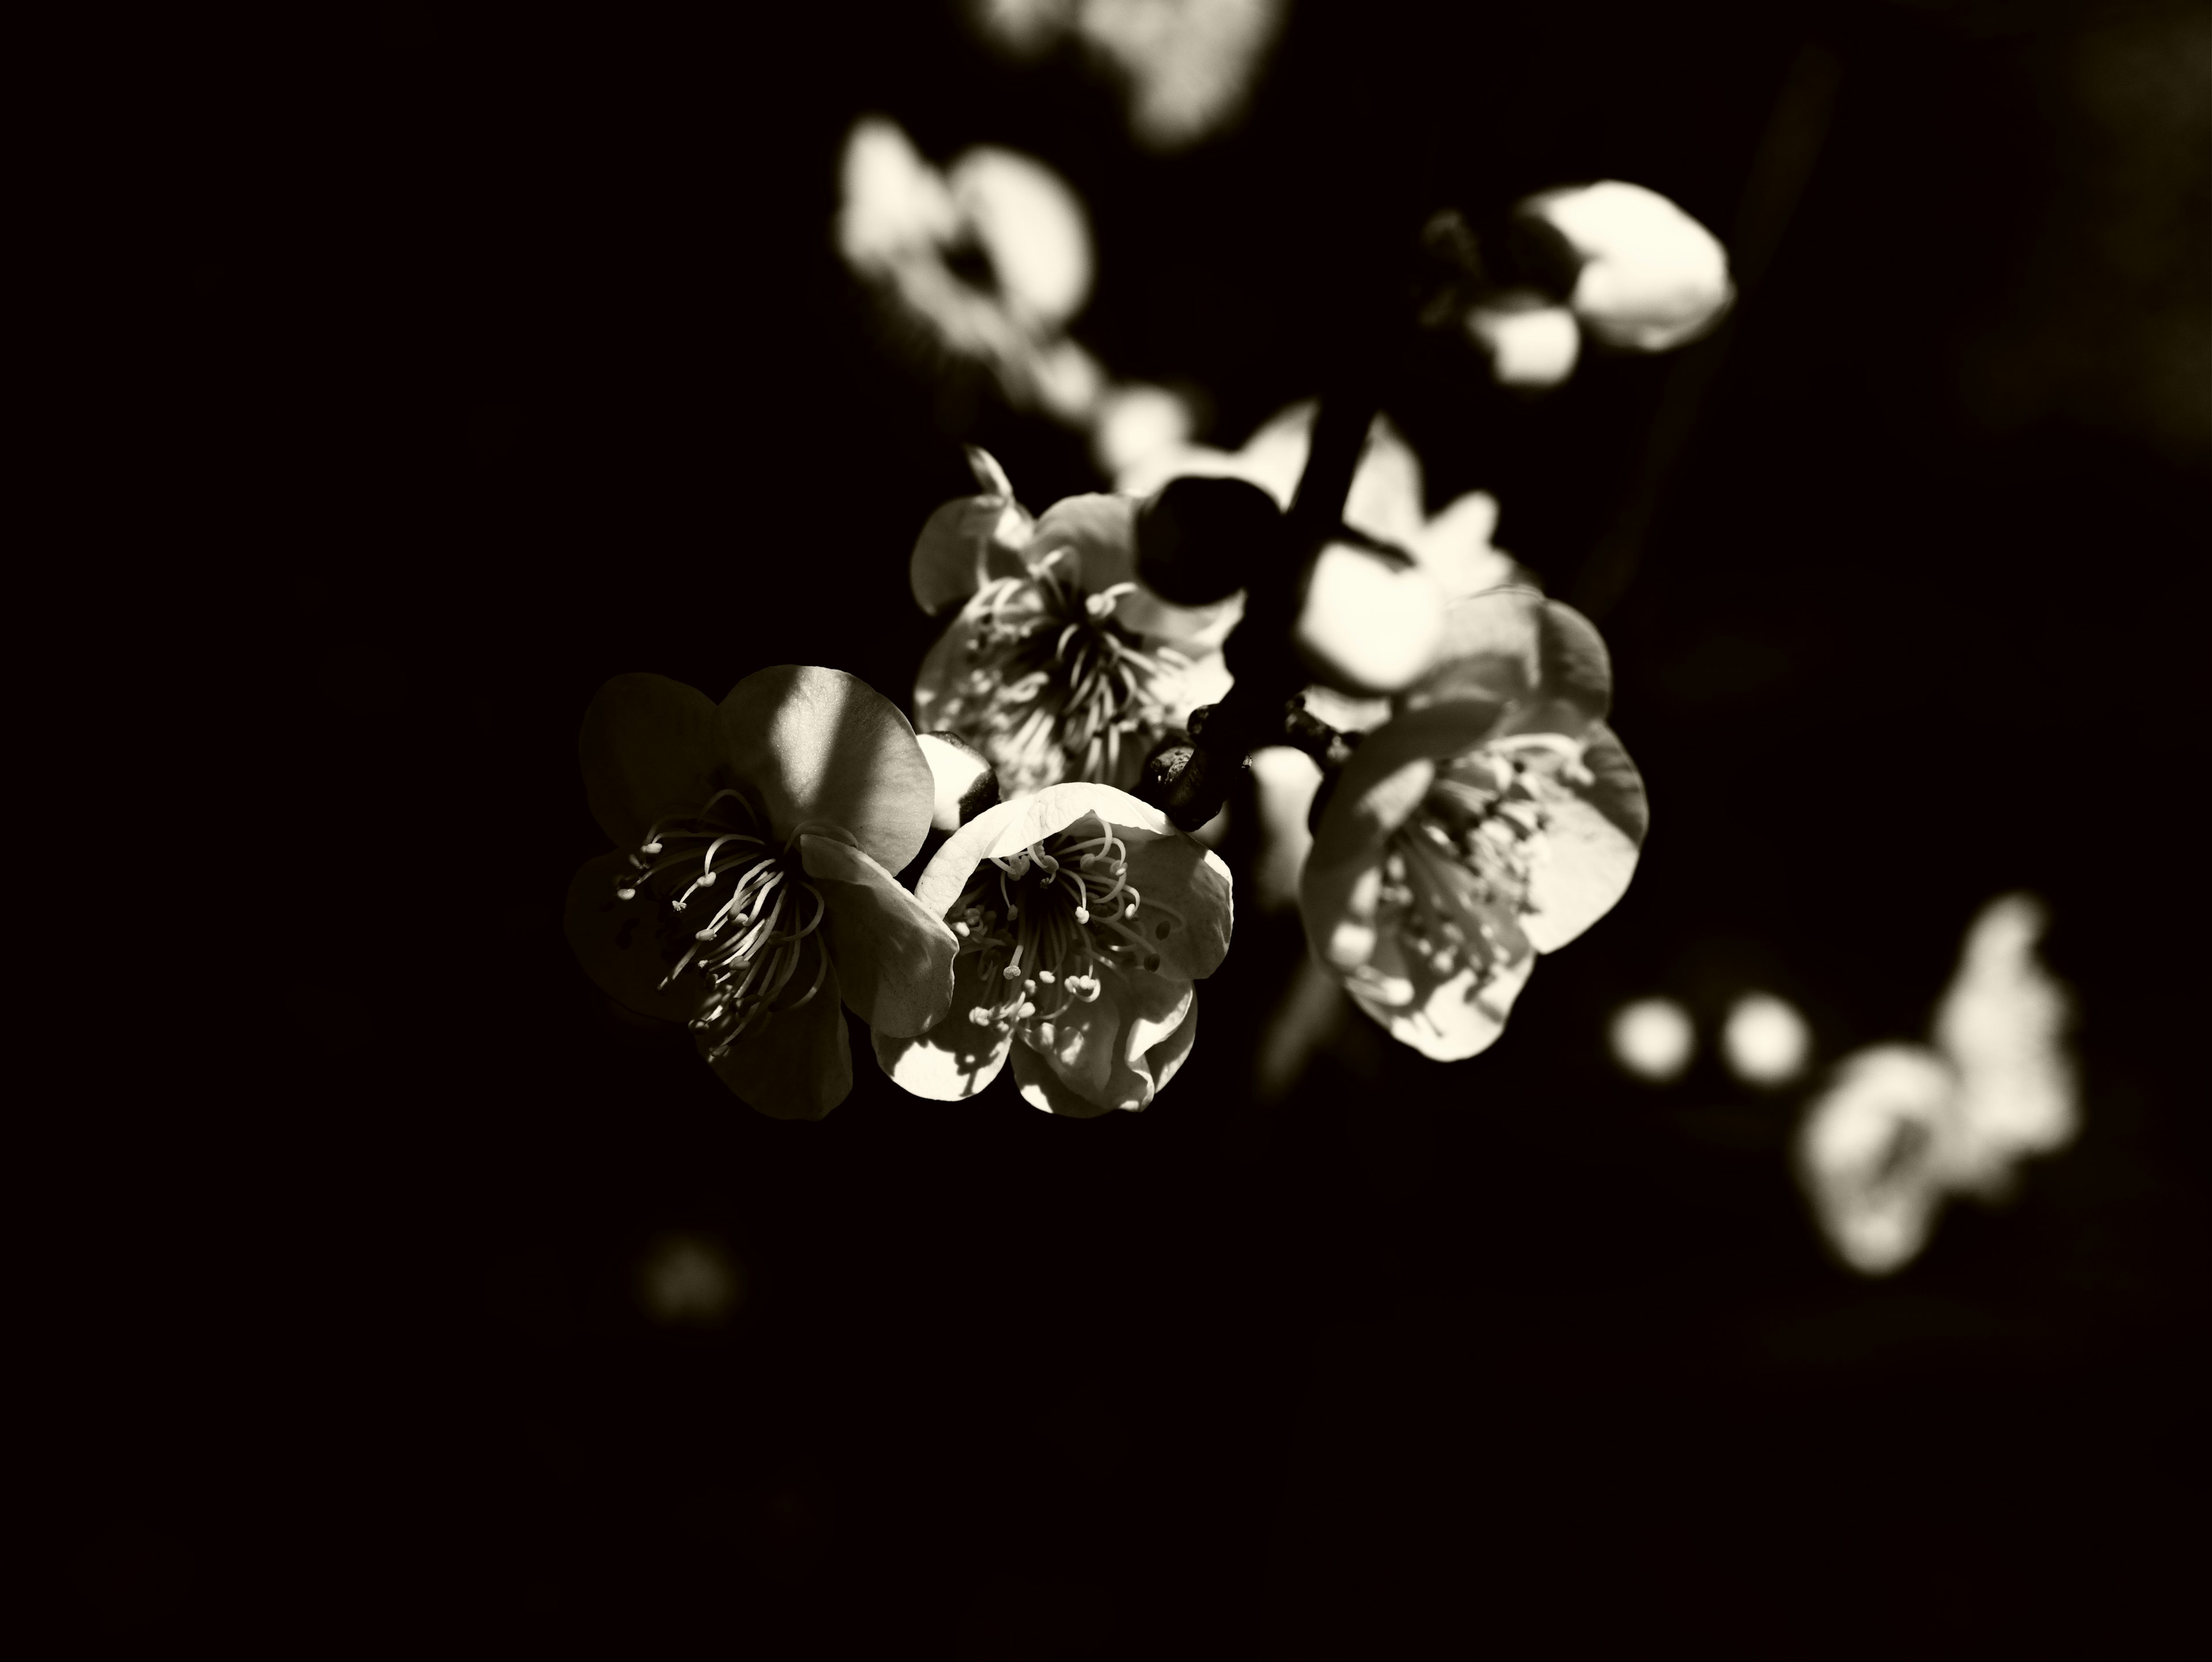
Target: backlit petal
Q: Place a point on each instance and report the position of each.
(894, 960)
(817, 744)
(650, 746)
(956, 1059)
(797, 1064)
(1447, 1018)
(1581, 865)
(1012, 826)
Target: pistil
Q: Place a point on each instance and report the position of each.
(1067, 912)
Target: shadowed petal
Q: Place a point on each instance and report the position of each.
(624, 946)
(797, 1064)
(1188, 911)
(956, 1059)
(1100, 529)
(1340, 889)
(1544, 661)
(820, 745)
(650, 747)
(894, 960)
(964, 545)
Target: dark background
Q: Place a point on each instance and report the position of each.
(502, 350)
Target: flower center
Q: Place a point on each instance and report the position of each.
(1065, 911)
(748, 950)
(1062, 687)
(1459, 868)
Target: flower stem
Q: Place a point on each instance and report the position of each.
(1190, 782)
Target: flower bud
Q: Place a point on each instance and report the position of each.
(1651, 278)
(1199, 540)
(1529, 345)
(1372, 623)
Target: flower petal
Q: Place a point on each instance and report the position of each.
(1188, 912)
(1513, 646)
(963, 546)
(1456, 548)
(650, 746)
(1100, 529)
(956, 1059)
(625, 946)
(1451, 1018)
(1154, 1027)
(1581, 865)
(820, 745)
(1385, 499)
(1012, 827)
(797, 1064)
(894, 960)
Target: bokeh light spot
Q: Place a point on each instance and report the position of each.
(691, 1280)
(1764, 1041)
(1653, 1038)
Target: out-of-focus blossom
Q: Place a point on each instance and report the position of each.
(1058, 664)
(1529, 342)
(1386, 502)
(1495, 816)
(1899, 1128)
(1188, 66)
(986, 260)
(750, 893)
(1084, 916)
(1651, 277)
(1873, 1154)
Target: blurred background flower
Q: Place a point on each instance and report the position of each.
(1186, 67)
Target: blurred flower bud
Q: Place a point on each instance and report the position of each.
(966, 784)
(1370, 623)
(1137, 420)
(1200, 539)
(1651, 277)
(1528, 343)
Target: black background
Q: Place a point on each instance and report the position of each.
(498, 351)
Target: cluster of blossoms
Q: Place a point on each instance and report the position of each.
(1478, 811)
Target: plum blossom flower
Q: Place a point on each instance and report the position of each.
(1494, 817)
(1058, 664)
(750, 894)
(1084, 916)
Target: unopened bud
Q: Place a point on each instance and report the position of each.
(1651, 277)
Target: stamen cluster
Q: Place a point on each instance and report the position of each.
(1065, 911)
(749, 951)
(1061, 689)
(1458, 869)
